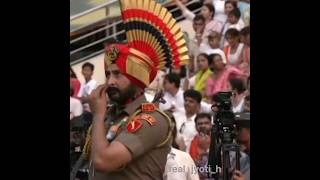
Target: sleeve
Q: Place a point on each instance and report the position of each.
(78, 109)
(192, 171)
(145, 138)
(206, 107)
(172, 172)
(209, 87)
(188, 14)
(166, 105)
(193, 149)
(192, 82)
(235, 72)
(92, 87)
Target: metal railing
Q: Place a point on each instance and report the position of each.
(114, 31)
(110, 2)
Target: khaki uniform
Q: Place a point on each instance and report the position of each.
(148, 160)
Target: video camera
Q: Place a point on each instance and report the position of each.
(225, 118)
(223, 136)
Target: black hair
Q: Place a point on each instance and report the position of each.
(173, 78)
(232, 32)
(87, 64)
(73, 74)
(211, 57)
(235, 12)
(199, 17)
(234, 4)
(191, 93)
(206, 56)
(202, 115)
(238, 85)
(211, 8)
(245, 31)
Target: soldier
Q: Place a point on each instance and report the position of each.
(131, 137)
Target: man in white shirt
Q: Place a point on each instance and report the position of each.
(179, 165)
(173, 95)
(89, 85)
(185, 121)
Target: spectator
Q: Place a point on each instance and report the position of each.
(204, 72)
(185, 121)
(233, 22)
(207, 11)
(178, 159)
(182, 72)
(173, 95)
(219, 80)
(244, 7)
(157, 83)
(213, 46)
(234, 51)
(89, 85)
(245, 36)
(75, 105)
(244, 140)
(199, 151)
(234, 19)
(194, 43)
(201, 142)
(245, 39)
(75, 83)
(229, 6)
(222, 8)
(238, 94)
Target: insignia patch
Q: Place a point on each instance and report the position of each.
(148, 107)
(112, 54)
(134, 125)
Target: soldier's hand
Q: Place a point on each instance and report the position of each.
(98, 100)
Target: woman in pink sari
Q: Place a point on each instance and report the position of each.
(219, 80)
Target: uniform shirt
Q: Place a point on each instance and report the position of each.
(148, 162)
(180, 166)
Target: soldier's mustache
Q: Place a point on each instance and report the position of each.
(112, 90)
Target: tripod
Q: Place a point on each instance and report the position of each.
(222, 144)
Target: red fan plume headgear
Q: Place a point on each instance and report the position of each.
(155, 42)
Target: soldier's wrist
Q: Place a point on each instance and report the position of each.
(98, 117)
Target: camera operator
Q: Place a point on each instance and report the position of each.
(200, 144)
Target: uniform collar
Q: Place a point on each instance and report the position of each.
(133, 106)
